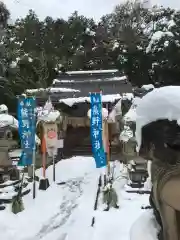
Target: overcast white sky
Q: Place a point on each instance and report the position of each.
(63, 8)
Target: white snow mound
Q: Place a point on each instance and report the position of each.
(161, 103)
(145, 227)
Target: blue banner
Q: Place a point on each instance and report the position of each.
(27, 128)
(96, 130)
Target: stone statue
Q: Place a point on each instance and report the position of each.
(110, 197)
(128, 144)
(161, 144)
(7, 142)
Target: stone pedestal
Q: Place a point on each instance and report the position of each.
(44, 184)
(14, 174)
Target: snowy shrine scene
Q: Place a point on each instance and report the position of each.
(89, 120)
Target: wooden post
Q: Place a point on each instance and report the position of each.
(43, 150)
(106, 143)
(34, 173)
(54, 169)
(107, 146)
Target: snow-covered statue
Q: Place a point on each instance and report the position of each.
(3, 109)
(127, 136)
(158, 139)
(129, 144)
(110, 197)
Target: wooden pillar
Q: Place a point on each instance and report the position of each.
(106, 143)
(30, 171)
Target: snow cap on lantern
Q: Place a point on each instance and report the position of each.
(3, 108)
(162, 103)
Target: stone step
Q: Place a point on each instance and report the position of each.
(140, 160)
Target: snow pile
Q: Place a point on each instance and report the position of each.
(3, 108)
(62, 81)
(127, 96)
(126, 134)
(49, 116)
(161, 103)
(116, 111)
(118, 78)
(53, 213)
(130, 116)
(7, 119)
(66, 211)
(148, 87)
(47, 113)
(145, 228)
(117, 224)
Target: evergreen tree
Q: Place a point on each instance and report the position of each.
(143, 44)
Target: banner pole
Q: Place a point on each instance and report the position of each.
(34, 169)
(34, 161)
(54, 169)
(107, 147)
(43, 150)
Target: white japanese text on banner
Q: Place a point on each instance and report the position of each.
(96, 130)
(27, 128)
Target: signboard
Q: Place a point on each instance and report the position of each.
(51, 138)
(96, 130)
(51, 134)
(27, 128)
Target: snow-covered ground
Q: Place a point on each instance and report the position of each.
(65, 212)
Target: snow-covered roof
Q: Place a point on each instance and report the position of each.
(93, 71)
(62, 81)
(117, 78)
(105, 98)
(161, 103)
(128, 96)
(51, 90)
